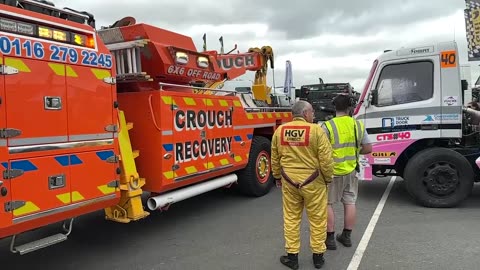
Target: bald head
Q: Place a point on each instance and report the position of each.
(300, 107)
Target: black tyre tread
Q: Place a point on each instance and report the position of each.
(415, 169)
(247, 178)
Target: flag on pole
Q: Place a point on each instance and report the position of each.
(472, 25)
(205, 42)
(288, 85)
(221, 44)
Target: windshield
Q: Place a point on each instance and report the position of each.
(405, 83)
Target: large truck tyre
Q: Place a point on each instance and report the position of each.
(256, 179)
(439, 177)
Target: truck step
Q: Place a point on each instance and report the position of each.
(44, 242)
(39, 244)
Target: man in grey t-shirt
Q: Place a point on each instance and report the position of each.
(344, 187)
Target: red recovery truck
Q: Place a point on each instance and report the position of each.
(91, 120)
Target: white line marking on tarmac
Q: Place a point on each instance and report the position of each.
(362, 246)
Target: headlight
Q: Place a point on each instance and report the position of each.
(202, 61)
(181, 58)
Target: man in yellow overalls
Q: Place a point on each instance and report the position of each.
(349, 139)
(302, 165)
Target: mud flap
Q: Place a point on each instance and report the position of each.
(365, 172)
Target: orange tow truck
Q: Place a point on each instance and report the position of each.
(93, 119)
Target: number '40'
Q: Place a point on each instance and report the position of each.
(448, 59)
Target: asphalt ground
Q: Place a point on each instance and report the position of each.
(224, 230)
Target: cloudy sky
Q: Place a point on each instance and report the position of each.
(335, 40)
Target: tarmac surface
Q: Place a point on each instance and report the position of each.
(224, 230)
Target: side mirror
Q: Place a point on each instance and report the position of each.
(374, 97)
(464, 85)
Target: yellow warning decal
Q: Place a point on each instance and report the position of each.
(28, 208)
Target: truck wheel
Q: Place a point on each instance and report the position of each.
(439, 177)
(256, 179)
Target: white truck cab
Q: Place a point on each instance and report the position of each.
(412, 108)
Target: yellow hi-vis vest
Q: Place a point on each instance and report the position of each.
(342, 138)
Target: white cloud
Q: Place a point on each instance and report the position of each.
(257, 30)
(336, 40)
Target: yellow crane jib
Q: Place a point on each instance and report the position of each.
(261, 91)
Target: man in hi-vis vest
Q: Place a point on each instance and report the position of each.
(302, 165)
(349, 139)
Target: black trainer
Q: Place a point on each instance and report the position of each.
(330, 242)
(290, 260)
(345, 239)
(318, 260)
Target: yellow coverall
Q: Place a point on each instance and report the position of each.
(300, 148)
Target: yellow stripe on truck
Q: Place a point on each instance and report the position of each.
(71, 72)
(100, 73)
(191, 169)
(237, 103)
(223, 103)
(64, 198)
(207, 102)
(189, 101)
(105, 189)
(17, 63)
(76, 196)
(170, 174)
(28, 208)
(59, 69)
(224, 162)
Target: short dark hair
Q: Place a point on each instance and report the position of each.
(342, 103)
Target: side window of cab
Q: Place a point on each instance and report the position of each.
(405, 83)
